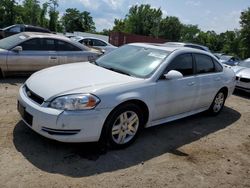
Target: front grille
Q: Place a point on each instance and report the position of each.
(245, 80)
(60, 131)
(33, 96)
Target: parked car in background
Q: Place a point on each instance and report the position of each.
(29, 52)
(242, 71)
(138, 85)
(96, 43)
(229, 60)
(218, 55)
(190, 45)
(18, 28)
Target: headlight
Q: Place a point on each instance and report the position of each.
(75, 102)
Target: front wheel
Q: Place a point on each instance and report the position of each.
(123, 125)
(218, 103)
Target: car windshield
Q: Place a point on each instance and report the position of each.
(9, 42)
(244, 64)
(133, 60)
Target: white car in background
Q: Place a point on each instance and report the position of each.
(136, 86)
(242, 71)
(104, 46)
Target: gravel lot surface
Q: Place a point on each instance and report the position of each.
(198, 151)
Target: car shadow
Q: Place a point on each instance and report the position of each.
(241, 93)
(13, 80)
(79, 160)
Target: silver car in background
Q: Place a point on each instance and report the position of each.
(28, 52)
(96, 43)
(242, 71)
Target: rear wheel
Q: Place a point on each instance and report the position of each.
(218, 103)
(123, 125)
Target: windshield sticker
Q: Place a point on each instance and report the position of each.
(22, 37)
(157, 55)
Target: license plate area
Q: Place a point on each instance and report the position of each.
(27, 117)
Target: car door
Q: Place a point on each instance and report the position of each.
(69, 53)
(99, 44)
(209, 79)
(36, 54)
(176, 96)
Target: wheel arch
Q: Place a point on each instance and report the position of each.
(225, 89)
(142, 105)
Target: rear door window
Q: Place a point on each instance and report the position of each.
(48, 44)
(204, 64)
(65, 46)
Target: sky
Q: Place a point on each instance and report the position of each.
(217, 15)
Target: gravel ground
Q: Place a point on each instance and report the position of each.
(198, 151)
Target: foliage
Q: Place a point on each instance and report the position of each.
(245, 32)
(74, 20)
(141, 19)
(170, 28)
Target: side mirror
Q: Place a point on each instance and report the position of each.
(173, 74)
(17, 49)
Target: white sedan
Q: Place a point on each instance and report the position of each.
(136, 86)
(242, 71)
(96, 43)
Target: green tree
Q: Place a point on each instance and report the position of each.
(74, 20)
(7, 12)
(143, 20)
(170, 28)
(53, 15)
(245, 32)
(32, 12)
(44, 22)
(119, 25)
(189, 32)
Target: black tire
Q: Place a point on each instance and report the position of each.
(109, 126)
(218, 103)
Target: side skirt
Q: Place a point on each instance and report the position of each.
(175, 117)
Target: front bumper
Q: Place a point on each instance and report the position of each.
(64, 126)
(245, 86)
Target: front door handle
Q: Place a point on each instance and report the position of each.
(191, 83)
(53, 57)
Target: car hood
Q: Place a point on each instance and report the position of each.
(74, 78)
(242, 71)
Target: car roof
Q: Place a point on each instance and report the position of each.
(45, 35)
(186, 43)
(53, 36)
(169, 48)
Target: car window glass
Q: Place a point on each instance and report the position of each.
(48, 45)
(182, 63)
(31, 45)
(204, 64)
(15, 29)
(85, 41)
(64, 46)
(217, 66)
(98, 43)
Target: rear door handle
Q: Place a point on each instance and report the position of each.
(191, 83)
